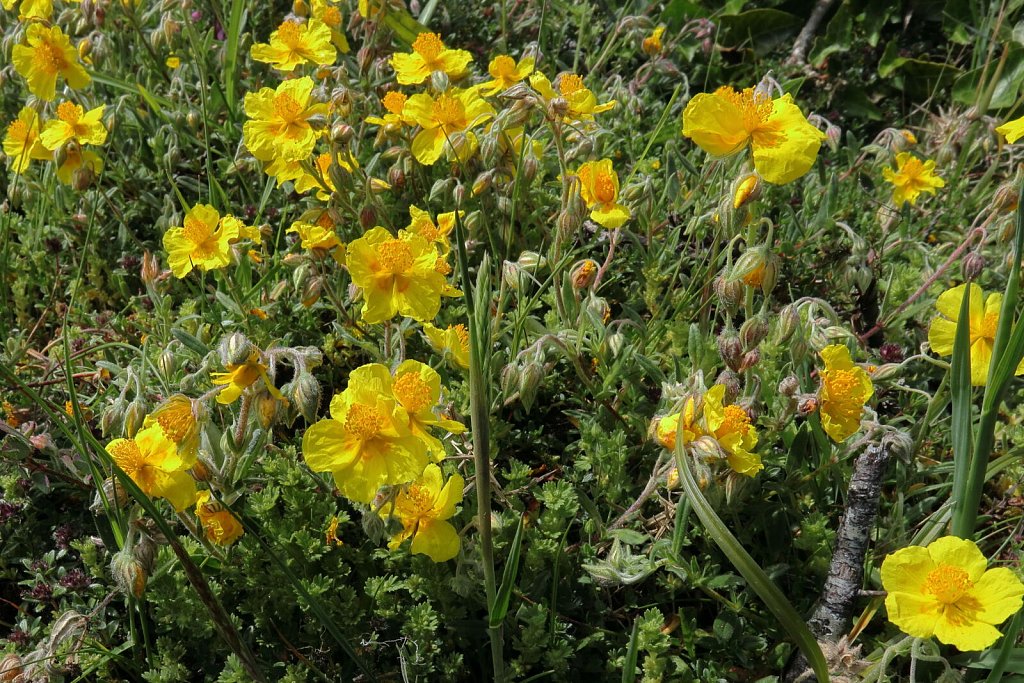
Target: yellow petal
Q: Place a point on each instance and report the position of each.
(964, 634)
(437, 540)
(715, 124)
(959, 552)
(941, 335)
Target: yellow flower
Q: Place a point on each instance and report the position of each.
(74, 123)
(320, 235)
(423, 508)
(22, 143)
(396, 275)
(505, 73)
(725, 122)
(652, 44)
(177, 417)
(1012, 130)
(428, 55)
(446, 122)
(368, 8)
(295, 43)
(32, 9)
(911, 178)
(946, 590)
(240, 377)
(983, 323)
(279, 121)
(417, 388)
(172, 62)
(422, 224)
(219, 524)
(366, 442)
(394, 103)
(668, 427)
(156, 466)
(330, 15)
(451, 342)
(75, 158)
(582, 103)
(48, 54)
(845, 388)
(731, 427)
(204, 242)
(599, 187)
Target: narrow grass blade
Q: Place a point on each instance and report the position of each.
(1006, 648)
(629, 666)
(508, 580)
(1007, 352)
(748, 568)
(960, 392)
(235, 24)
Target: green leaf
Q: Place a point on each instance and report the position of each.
(629, 665)
(508, 580)
(761, 29)
(235, 25)
(967, 87)
(960, 391)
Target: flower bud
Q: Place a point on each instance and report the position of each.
(746, 190)
(731, 381)
(367, 217)
(200, 471)
(885, 372)
(235, 349)
(134, 417)
(786, 323)
(113, 492)
(807, 404)
(531, 261)
(557, 108)
(750, 359)
(753, 331)
(129, 575)
(150, 267)
(509, 380)
(583, 273)
(311, 291)
(305, 395)
(789, 385)
(439, 81)
(1006, 197)
(731, 350)
(973, 265)
(10, 668)
(530, 379)
(167, 361)
(729, 292)
(396, 177)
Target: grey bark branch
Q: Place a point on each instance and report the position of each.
(838, 601)
(803, 40)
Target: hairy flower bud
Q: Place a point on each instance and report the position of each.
(234, 349)
(731, 350)
(129, 575)
(530, 379)
(150, 267)
(367, 217)
(786, 323)
(305, 395)
(134, 416)
(746, 190)
(973, 265)
(10, 668)
(750, 359)
(113, 492)
(753, 331)
(731, 381)
(341, 133)
(789, 385)
(729, 292)
(583, 273)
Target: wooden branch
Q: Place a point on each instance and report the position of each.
(838, 601)
(803, 40)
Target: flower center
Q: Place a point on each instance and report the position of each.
(363, 421)
(49, 58)
(196, 231)
(325, 222)
(176, 420)
(288, 33)
(69, 112)
(570, 85)
(421, 499)
(287, 108)
(755, 107)
(412, 392)
(428, 46)
(604, 188)
(503, 67)
(394, 102)
(427, 230)
(395, 256)
(331, 17)
(841, 384)
(18, 132)
(736, 421)
(948, 584)
(448, 112)
(442, 266)
(128, 457)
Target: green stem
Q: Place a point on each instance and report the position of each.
(748, 568)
